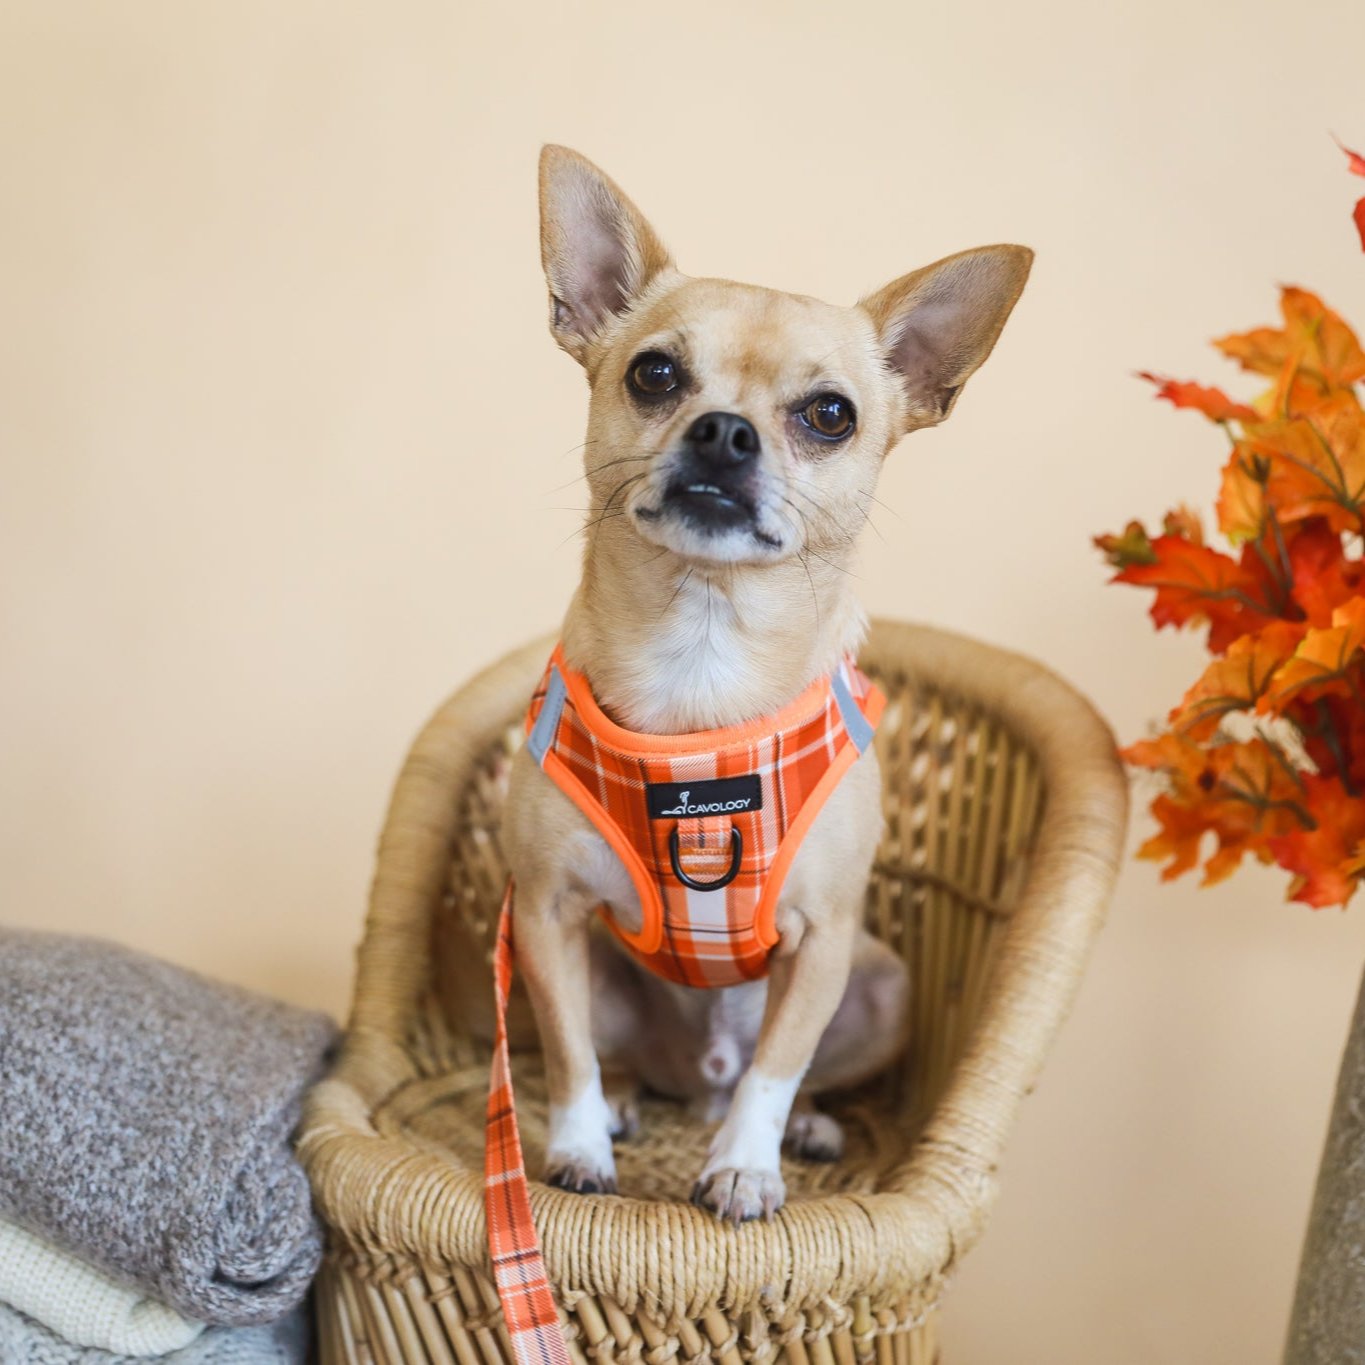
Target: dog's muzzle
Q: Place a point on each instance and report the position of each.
(714, 475)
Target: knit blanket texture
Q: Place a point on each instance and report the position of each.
(146, 1116)
(83, 1305)
(284, 1342)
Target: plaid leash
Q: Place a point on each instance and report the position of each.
(528, 1306)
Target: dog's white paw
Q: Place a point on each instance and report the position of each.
(578, 1153)
(579, 1175)
(738, 1196)
(812, 1136)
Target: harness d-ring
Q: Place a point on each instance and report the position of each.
(736, 857)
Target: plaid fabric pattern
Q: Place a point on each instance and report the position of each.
(706, 937)
(528, 1306)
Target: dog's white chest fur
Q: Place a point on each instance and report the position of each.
(692, 669)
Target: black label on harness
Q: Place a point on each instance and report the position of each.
(696, 800)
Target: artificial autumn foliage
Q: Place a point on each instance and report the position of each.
(1266, 751)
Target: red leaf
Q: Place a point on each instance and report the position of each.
(1359, 216)
(1333, 733)
(1354, 161)
(1322, 858)
(1213, 403)
(1323, 577)
(1196, 583)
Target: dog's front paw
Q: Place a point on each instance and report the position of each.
(738, 1196)
(578, 1153)
(812, 1136)
(580, 1176)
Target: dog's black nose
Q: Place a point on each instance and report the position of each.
(724, 440)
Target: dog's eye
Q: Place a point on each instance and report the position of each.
(653, 374)
(830, 416)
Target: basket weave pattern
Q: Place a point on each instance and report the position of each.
(1005, 809)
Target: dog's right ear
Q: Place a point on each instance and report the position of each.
(598, 251)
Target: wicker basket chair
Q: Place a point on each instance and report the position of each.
(1005, 811)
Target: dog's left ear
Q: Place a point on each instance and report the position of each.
(598, 251)
(938, 324)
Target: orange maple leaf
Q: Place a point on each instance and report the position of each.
(1213, 403)
(1178, 756)
(1307, 466)
(1296, 393)
(1257, 778)
(1245, 794)
(1180, 831)
(1314, 338)
(1241, 504)
(1237, 681)
(1324, 661)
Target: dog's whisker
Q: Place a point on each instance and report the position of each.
(814, 596)
(607, 509)
(840, 568)
(682, 583)
(824, 518)
(845, 535)
(578, 478)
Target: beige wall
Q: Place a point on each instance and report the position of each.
(283, 440)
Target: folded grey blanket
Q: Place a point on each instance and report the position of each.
(25, 1342)
(145, 1123)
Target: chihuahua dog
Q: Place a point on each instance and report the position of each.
(735, 435)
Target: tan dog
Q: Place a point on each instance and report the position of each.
(735, 435)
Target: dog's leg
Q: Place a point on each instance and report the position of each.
(552, 947)
(742, 1178)
(868, 1030)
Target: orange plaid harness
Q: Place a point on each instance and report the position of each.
(707, 825)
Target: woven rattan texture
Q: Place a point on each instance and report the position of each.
(1004, 812)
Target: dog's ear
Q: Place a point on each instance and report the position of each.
(598, 251)
(938, 324)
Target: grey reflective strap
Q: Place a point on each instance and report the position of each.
(859, 731)
(542, 734)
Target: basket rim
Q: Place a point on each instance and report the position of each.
(390, 1198)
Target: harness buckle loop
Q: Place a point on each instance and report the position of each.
(736, 857)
